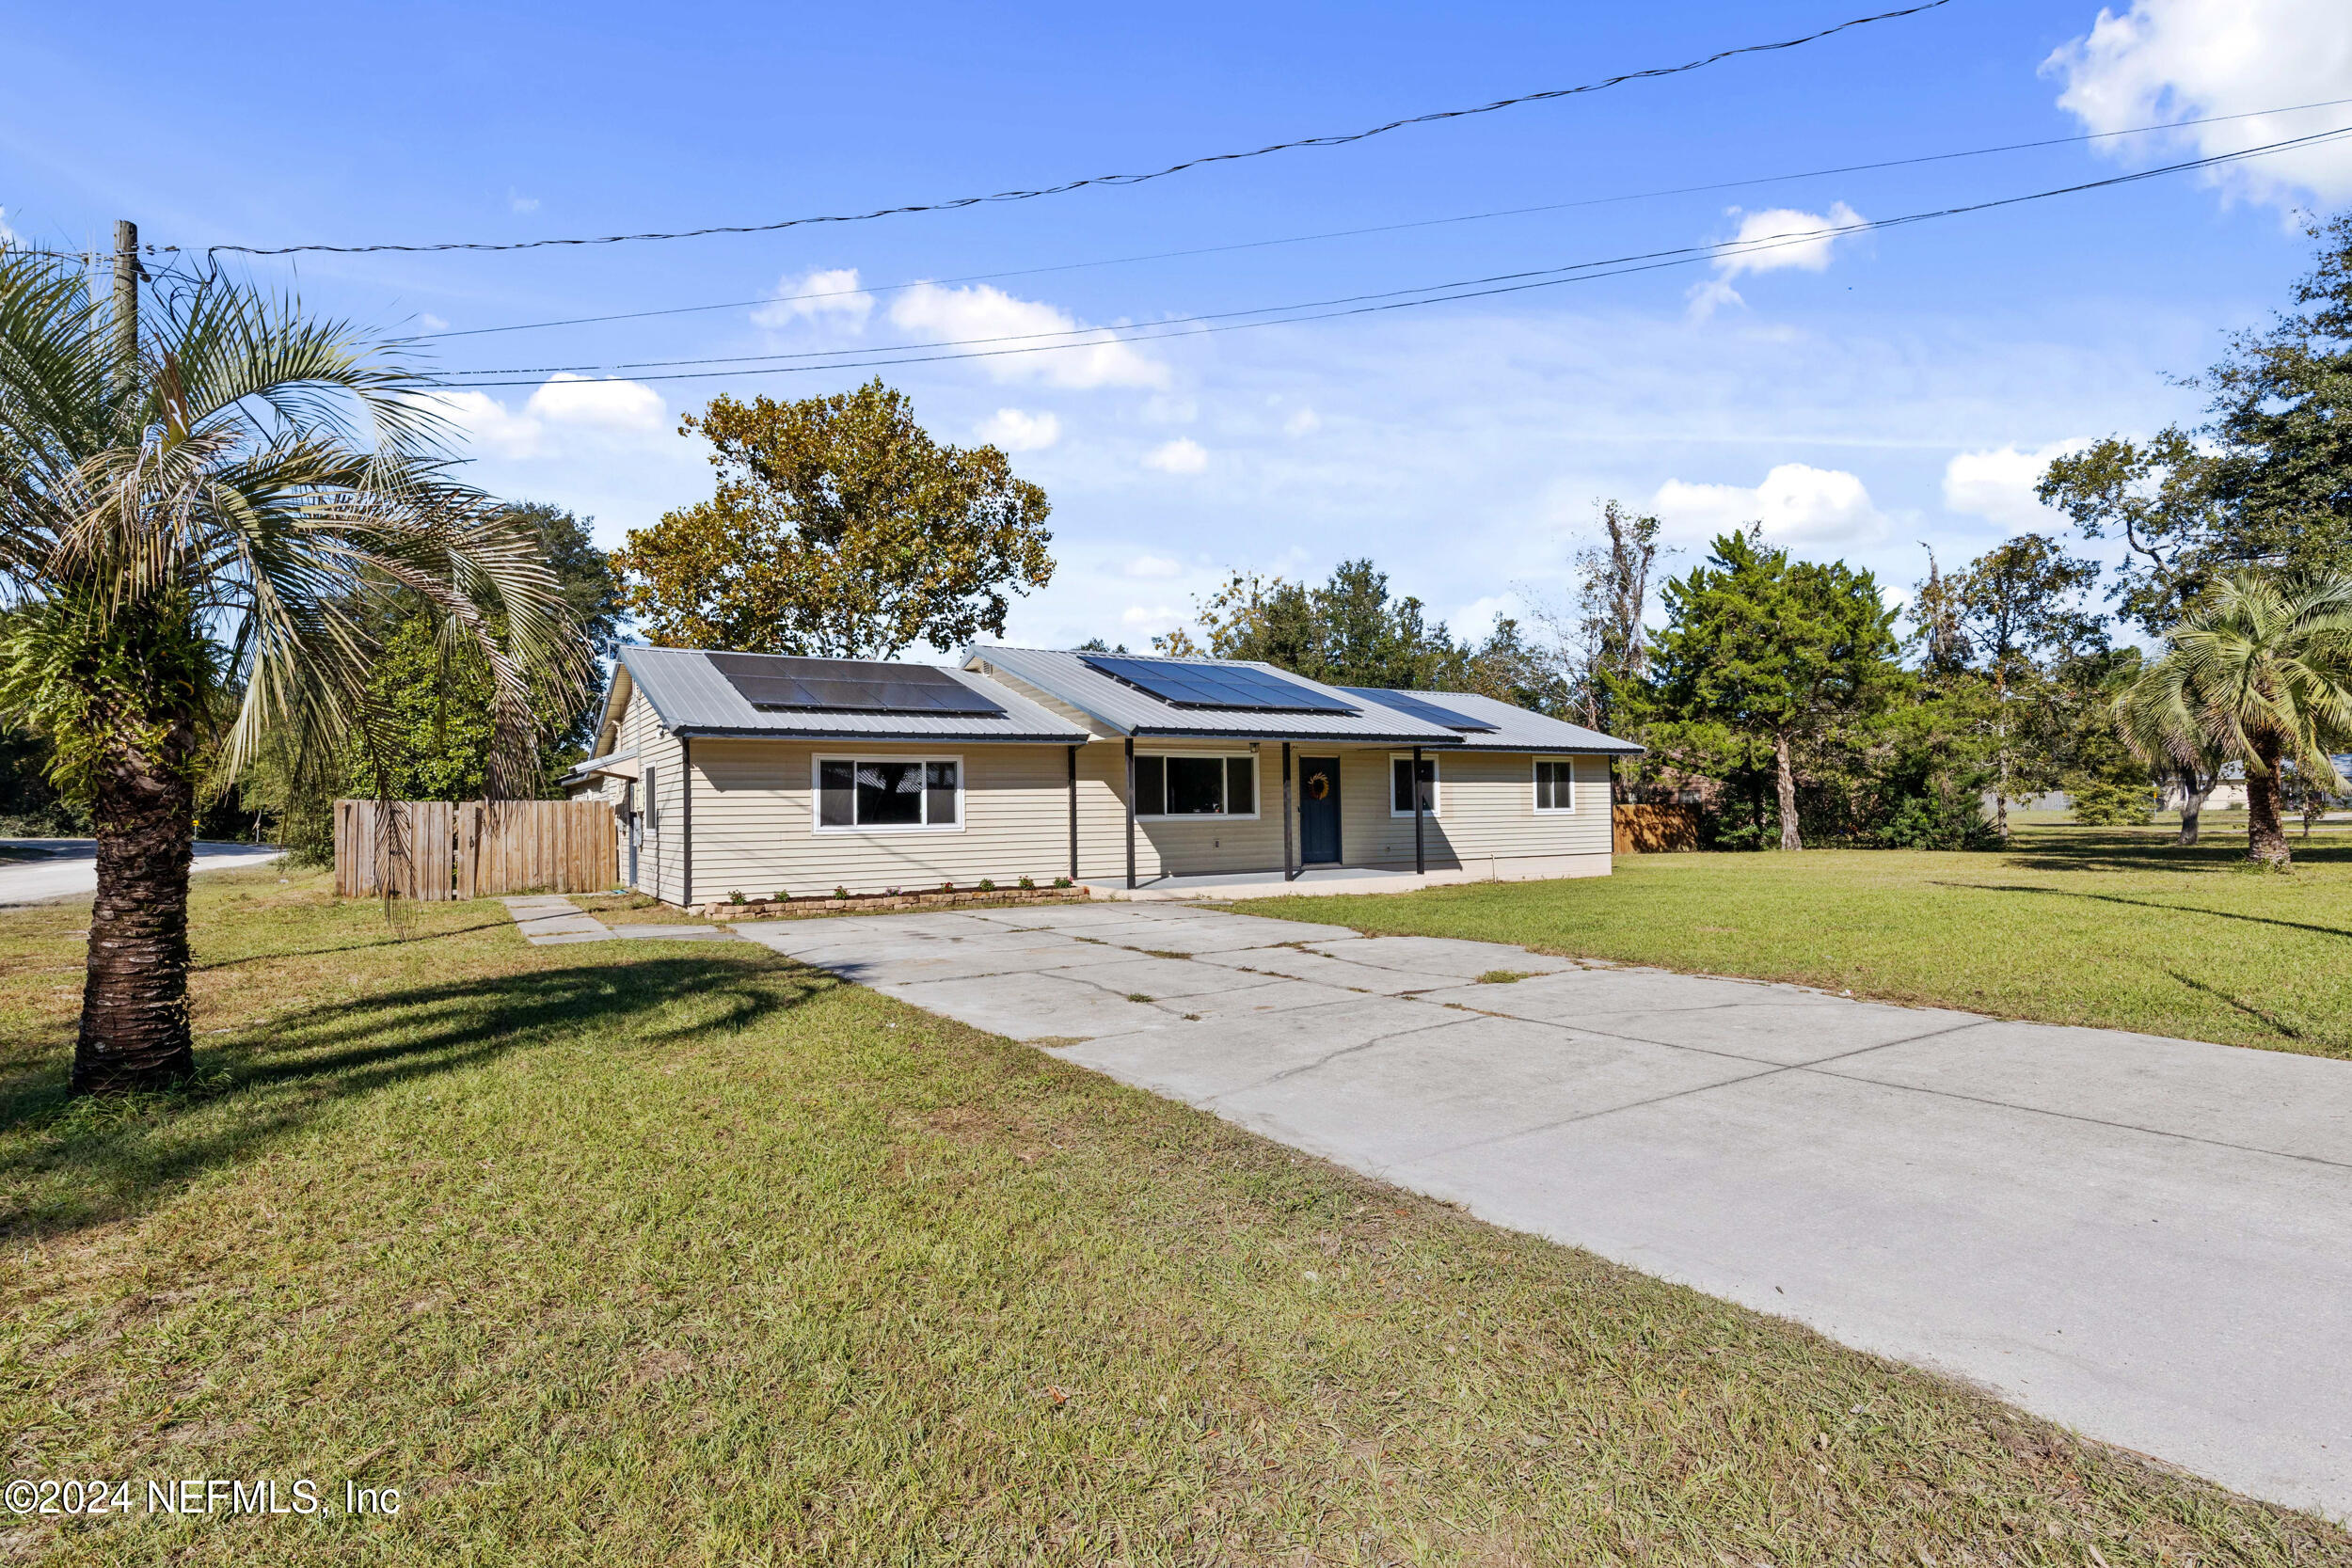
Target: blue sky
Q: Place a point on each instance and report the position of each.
(1888, 388)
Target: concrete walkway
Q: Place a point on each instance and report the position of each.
(67, 867)
(549, 920)
(2148, 1239)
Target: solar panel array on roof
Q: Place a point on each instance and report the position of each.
(1419, 708)
(1182, 684)
(773, 682)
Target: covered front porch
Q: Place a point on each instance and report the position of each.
(1216, 885)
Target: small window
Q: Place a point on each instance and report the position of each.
(653, 800)
(857, 794)
(1197, 785)
(1401, 786)
(1555, 784)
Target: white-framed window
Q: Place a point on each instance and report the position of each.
(887, 795)
(1400, 784)
(653, 800)
(1177, 787)
(1555, 785)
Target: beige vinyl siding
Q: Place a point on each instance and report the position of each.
(1486, 812)
(754, 821)
(661, 861)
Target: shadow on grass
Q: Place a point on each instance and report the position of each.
(2267, 1019)
(2148, 904)
(2157, 850)
(391, 938)
(60, 1175)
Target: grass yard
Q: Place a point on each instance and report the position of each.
(2114, 926)
(657, 1253)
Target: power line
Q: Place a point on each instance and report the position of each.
(1376, 229)
(1548, 95)
(1433, 293)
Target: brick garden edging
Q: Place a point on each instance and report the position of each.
(769, 909)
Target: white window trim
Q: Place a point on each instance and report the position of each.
(1257, 790)
(1436, 786)
(891, 829)
(1534, 787)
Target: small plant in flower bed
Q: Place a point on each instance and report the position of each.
(987, 886)
(1062, 881)
(946, 887)
(735, 896)
(778, 897)
(1027, 882)
(841, 893)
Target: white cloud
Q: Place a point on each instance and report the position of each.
(2191, 59)
(576, 399)
(827, 296)
(1016, 430)
(559, 407)
(1183, 456)
(430, 322)
(1758, 232)
(8, 235)
(520, 202)
(1306, 421)
(1998, 484)
(1155, 566)
(1798, 505)
(1151, 619)
(992, 319)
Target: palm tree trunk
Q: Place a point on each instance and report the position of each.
(1787, 781)
(2193, 793)
(2265, 835)
(135, 1002)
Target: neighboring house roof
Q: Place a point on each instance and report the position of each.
(1516, 729)
(1124, 710)
(692, 698)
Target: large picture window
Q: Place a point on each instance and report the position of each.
(889, 793)
(1400, 786)
(1197, 785)
(1555, 784)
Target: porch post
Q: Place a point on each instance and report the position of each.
(1287, 862)
(1420, 861)
(1073, 813)
(1131, 814)
(686, 825)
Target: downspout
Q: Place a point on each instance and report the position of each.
(1131, 814)
(1073, 813)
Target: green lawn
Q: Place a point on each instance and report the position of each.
(682, 1253)
(2114, 926)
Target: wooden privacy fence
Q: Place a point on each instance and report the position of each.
(441, 849)
(1646, 830)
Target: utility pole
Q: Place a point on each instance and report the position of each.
(126, 313)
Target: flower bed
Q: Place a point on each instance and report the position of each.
(863, 903)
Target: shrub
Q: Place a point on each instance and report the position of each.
(1027, 881)
(2111, 802)
(735, 896)
(987, 886)
(1062, 881)
(1936, 822)
(779, 896)
(841, 893)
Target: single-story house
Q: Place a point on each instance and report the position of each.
(761, 774)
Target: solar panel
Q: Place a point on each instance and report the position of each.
(1420, 707)
(779, 683)
(1181, 683)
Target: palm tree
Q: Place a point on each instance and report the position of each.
(200, 528)
(2260, 670)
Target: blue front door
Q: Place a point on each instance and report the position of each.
(1319, 811)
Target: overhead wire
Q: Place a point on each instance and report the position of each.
(1548, 95)
(818, 295)
(1435, 293)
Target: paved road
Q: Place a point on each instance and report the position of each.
(68, 867)
(2148, 1240)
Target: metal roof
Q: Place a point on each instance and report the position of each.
(1517, 729)
(692, 698)
(1128, 711)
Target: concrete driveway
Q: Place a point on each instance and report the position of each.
(63, 867)
(2148, 1239)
